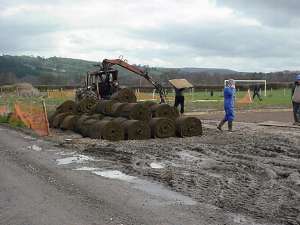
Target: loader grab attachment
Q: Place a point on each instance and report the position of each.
(107, 66)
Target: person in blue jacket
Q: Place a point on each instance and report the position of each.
(229, 100)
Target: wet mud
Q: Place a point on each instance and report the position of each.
(253, 172)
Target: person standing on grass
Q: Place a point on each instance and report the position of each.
(179, 99)
(296, 100)
(256, 92)
(229, 100)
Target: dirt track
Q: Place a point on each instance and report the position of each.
(250, 176)
(252, 116)
(253, 172)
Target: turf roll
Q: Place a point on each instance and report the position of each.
(124, 95)
(135, 111)
(86, 127)
(117, 108)
(85, 105)
(135, 129)
(162, 127)
(163, 110)
(103, 107)
(80, 121)
(148, 104)
(58, 119)
(108, 118)
(69, 122)
(106, 129)
(51, 117)
(188, 127)
(119, 120)
(97, 116)
(67, 106)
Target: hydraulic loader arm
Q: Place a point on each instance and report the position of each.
(108, 63)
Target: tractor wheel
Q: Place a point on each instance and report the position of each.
(85, 94)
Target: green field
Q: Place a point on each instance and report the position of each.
(275, 99)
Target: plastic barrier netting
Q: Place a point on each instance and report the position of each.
(3, 110)
(247, 99)
(34, 116)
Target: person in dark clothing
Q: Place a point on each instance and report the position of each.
(256, 92)
(179, 99)
(296, 100)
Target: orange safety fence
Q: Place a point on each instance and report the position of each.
(247, 99)
(34, 116)
(3, 110)
(61, 93)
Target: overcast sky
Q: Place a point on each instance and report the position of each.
(244, 35)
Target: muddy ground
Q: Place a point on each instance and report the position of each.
(252, 116)
(254, 171)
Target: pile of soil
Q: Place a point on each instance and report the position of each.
(26, 90)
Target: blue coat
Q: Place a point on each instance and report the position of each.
(229, 98)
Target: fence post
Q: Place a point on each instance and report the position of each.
(46, 116)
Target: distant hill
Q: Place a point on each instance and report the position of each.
(67, 71)
(42, 70)
(207, 70)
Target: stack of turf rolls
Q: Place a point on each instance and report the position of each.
(123, 118)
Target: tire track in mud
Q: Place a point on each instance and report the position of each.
(252, 172)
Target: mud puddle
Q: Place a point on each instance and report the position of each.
(75, 159)
(151, 188)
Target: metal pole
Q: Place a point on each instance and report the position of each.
(265, 88)
(46, 116)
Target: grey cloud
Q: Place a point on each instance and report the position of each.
(281, 13)
(272, 46)
(228, 40)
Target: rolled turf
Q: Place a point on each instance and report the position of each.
(85, 105)
(117, 108)
(51, 117)
(106, 129)
(135, 129)
(58, 119)
(135, 111)
(162, 127)
(163, 110)
(86, 127)
(148, 104)
(80, 121)
(103, 107)
(188, 127)
(97, 116)
(124, 95)
(67, 106)
(69, 122)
